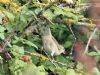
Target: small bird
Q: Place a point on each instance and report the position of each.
(89, 62)
(50, 44)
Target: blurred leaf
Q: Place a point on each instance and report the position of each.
(24, 41)
(2, 29)
(5, 1)
(16, 66)
(94, 53)
(30, 44)
(1, 19)
(2, 36)
(31, 69)
(67, 44)
(17, 51)
(1, 58)
(48, 14)
(58, 14)
(70, 72)
(9, 15)
(23, 19)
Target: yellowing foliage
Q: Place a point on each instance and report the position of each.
(9, 2)
(5, 1)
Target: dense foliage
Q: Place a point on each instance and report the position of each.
(22, 24)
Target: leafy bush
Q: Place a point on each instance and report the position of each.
(22, 23)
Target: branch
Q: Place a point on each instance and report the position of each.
(91, 36)
(46, 58)
(86, 24)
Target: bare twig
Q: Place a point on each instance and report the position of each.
(74, 38)
(63, 64)
(72, 32)
(86, 24)
(90, 38)
(54, 61)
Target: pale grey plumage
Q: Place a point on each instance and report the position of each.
(50, 44)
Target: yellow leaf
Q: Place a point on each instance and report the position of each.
(14, 4)
(69, 1)
(78, 2)
(5, 1)
(40, 55)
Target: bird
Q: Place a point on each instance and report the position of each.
(50, 44)
(89, 62)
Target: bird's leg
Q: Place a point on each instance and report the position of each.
(52, 54)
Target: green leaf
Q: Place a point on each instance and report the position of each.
(2, 36)
(2, 28)
(17, 50)
(58, 11)
(69, 15)
(39, 71)
(23, 19)
(31, 69)
(30, 44)
(9, 15)
(16, 66)
(67, 44)
(24, 41)
(1, 19)
(48, 14)
(1, 58)
(70, 72)
(94, 53)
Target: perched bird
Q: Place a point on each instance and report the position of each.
(89, 62)
(50, 44)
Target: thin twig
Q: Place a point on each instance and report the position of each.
(60, 63)
(72, 32)
(86, 24)
(54, 61)
(3, 69)
(91, 36)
